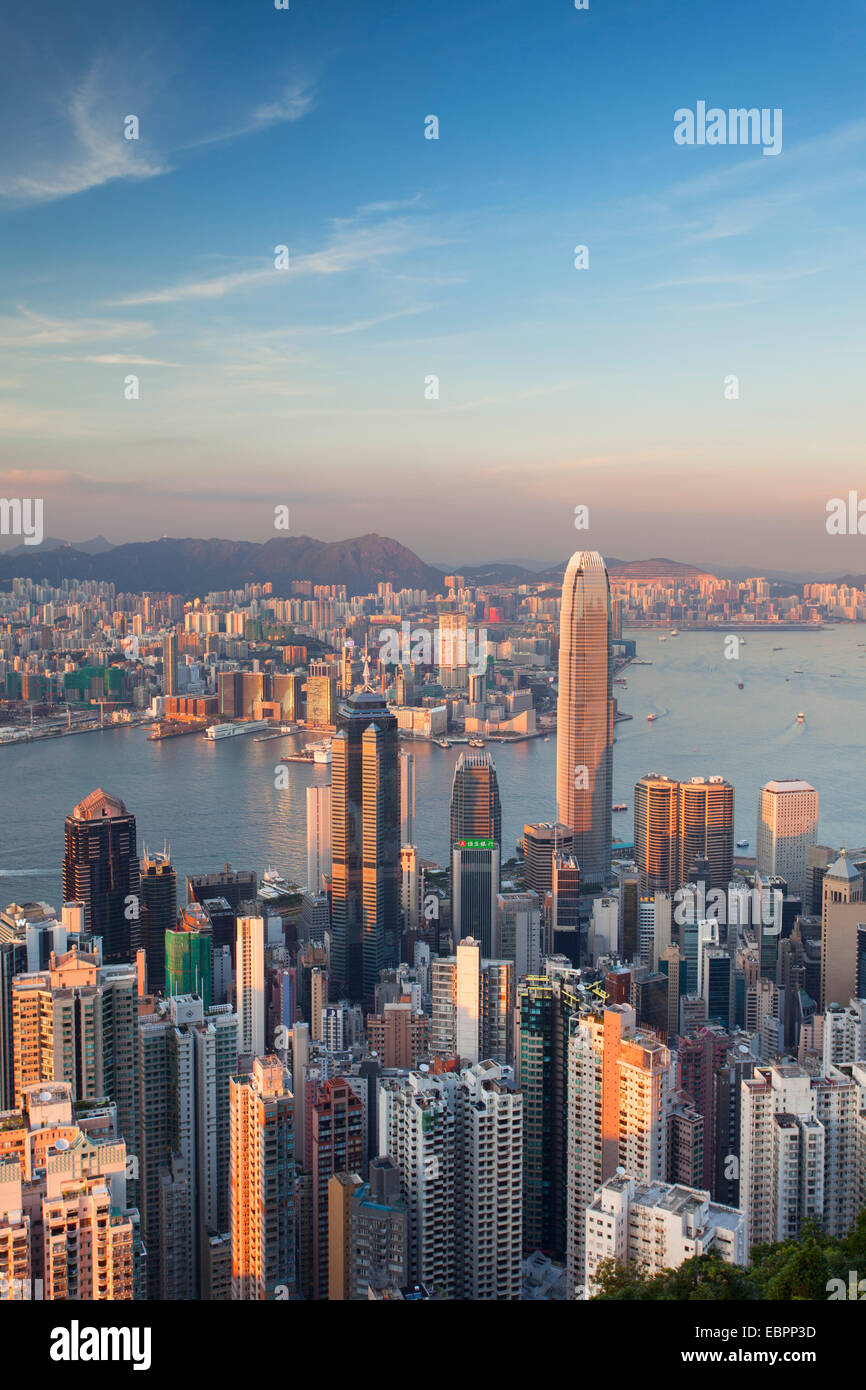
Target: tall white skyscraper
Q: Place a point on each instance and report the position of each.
(584, 737)
(250, 966)
(453, 650)
(318, 836)
(787, 825)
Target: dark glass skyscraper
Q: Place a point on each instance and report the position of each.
(584, 735)
(158, 914)
(476, 846)
(101, 870)
(365, 843)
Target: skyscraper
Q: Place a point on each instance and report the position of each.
(158, 887)
(706, 828)
(169, 663)
(619, 1081)
(250, 959)
(476, 847)
(453, 650)
(787, 826)
(676, 823)
(407, 798)
(262, 1183)
(101, 869)
(365, 843)
(318, 836)
(843, 910)
(584, 738)
(189, 955)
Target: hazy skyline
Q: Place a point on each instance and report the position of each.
(452, 257)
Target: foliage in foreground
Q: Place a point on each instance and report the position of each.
(793, 1270)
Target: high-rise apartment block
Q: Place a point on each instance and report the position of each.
(262, 1183)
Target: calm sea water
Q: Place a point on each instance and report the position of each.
(216, 802)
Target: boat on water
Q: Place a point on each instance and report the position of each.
(798, 670)
(274, 886)
(620, 806)
(740, 685)
(651, 717)
(675, 632)
(778, 649)
(742, 844)
(663, 639)
(321, 751)
(476, 743)
(801, 718)
(442, 742)
(218, 731)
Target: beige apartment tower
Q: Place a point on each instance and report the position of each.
(787, 826)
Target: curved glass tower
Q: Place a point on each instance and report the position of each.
(584, 718)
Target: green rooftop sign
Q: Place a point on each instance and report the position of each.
(476, 844)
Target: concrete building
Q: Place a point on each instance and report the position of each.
(787, 827)
(66, 1231)
(457, 1141)
(798, 1135)
(379, 1233)
(656, 1226)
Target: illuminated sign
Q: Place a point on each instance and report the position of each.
(476, 844)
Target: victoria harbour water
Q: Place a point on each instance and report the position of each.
(217, 802)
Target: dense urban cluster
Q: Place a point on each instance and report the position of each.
(399, 1079)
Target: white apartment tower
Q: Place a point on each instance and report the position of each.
(250, 967)
(318, 836)
(457, 1139)
(798, 1143)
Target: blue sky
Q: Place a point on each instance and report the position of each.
(412, 257)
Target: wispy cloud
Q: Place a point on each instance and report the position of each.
(88, 148)
(296, 100)
(30, 330)
(93, 153)
(346, 250)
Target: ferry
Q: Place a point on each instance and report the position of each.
(321, 751)
(273, 886)
(476, 743)
(675, 632)
(252, 726)
(442, 742)
(651, 717)
(742, 844)
(620, 806)
(801, 718)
